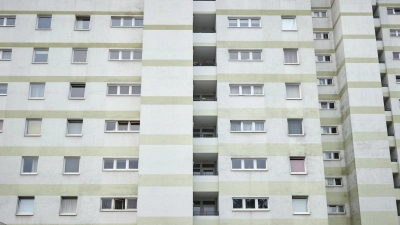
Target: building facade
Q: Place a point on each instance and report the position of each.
(187, 112)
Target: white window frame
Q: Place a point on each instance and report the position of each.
(27, 126)
(330, 130)
(397, 31)
(250, 55)
(250, 209)
(122, 131)
(291, 49)
(328, 104)
(122, 18)
(325, 81)
(337, 208)
(70, 91)
(40, 49)
(5, 20)
(289, 17)
(334, 181)
(18, 203)
(305, 165)
(254, 164)
(251, 89)
(79, 49)
(1, 54)
(6, 85)
(114, 169)
(132, 52)
(244, 18)
(302, 126)
(113, 204)
(324, 58)
(253, 126)
(68, 214)
(73, 135)
(398, 54)
(22, 165)
(393, 11)
(332, 155)
(292, 84)
(44, 16)
(119, 89)
(320, 13)
(82, 17)
(65, 163)
(322, 35)
(308, 205)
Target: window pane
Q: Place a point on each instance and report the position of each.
(299, 205)
(256, 55)
(258, 90)
(114, 54)
(112, 90)
(297, 165)
(248, 163)
(244, 22)
(290, 56)
(247, 126)
(123, 125)
(29, 164)
(135, 126)
(71, 165)
(138, 22)
(44, 23)
(245, 55)
(109, 164)
(136, 90)
(10, 21)
(41, 56)
(126, 55)
(133, 164)
(236, 164)
(3, 89)
(259, 126)
(1, 125)
(115, 22)
(324, 105)
(2, 21)
(82, 23)
(106, 203)
(37, 91)
(396, 55)
(124, 90)
(235, 126)
(237, 203)
(25, 206)
(293, 91)
(255, 23)
(132, 204)
(119, 203)
(340, 208)
(127, 22)
(250, 203)
(323, 14)
(80, 56)
(289, 24)
(121, 163)
(137, 54)
(34, 126)
(295, 126)
(75, 126)
(77, 90)
(336, 155)
(261, 164)
(234, 90)
(68, 205)
(6, 55)
(328, 155)
(233, 22)
(233, 55)
(263, 203)
(246, 90)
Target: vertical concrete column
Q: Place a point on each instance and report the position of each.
(370, 180)
(165, 189)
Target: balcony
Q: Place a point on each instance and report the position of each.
(204, 56)
(205, 164)
(205, 204)
(205, 127)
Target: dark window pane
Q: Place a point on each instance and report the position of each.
(133, 164)
(112, 90)
(261, 164)
(126, 55)
(121, 164)
(248, 164)
(119, 203)
(44, 22)
(10, 22)
(250, 203)
(77, 90)
(108, 164)
(263, 203)
(124, 90)
(237, 203)
(106, 203)
(127, 22)
(80, 56)
(136, 90)
(132, 204)
(114, 54)
(236, 164)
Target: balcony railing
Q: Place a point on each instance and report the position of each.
(205, 63)
(205, 31)
(390, 134)
(388, 109)
(393, 160)
(381, 61)
(198, 135)
(205, 173)
(385, 85)
(396, 187)
(205, 213)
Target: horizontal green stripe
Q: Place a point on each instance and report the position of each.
(198, 112)
(69, 45)
(166, 100)
(330, 121)
(167, 62)
(319, 8)
(326, 73)
(372, 190)
(367, 110)
(274, 221)
(324, 51)
(369, 136)
(361, 60)
(393, 70)
(205, 148)
(337, 198)
(68, 189)
(204, 77)
(332, 146)
(70, 78)
(335, 171)
(388, 26)
(328, 97)
(394, 94)
(359, 36)
(125, 13)
(390, 5)
(168, 27)
(265, 44)
(165, 220)
(69, 114)
(391, 48)
(322, 29)
(266, 113)
(255, 12)
(166, 139)
(373, 218)
(205, 44)
(205, 186)
(396, 118)
(270, 149)
(68, 151)
(266, 78)
(165, 180)
(207, 221)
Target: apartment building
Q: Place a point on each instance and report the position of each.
(206, 112)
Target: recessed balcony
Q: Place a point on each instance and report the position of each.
(205, 204)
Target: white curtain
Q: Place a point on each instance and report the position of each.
(34, 127)
(330, 181)
(259, 126)
(289, 24)
(25, 205)
(246, 90)
(75, 127)
(234, 90)
(72, 165)
(68, 205)
(290, 56)
(295, 127)
(37, 90)
(258, 90)
(299, 205)
(235, 126)
(30, 165)
(293, 91)
(325, 130)
(332, 209)
(247, 126)
(82, 23)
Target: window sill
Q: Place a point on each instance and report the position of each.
(35, 98)
(294, 99)
(121, 131)
(32, 135)
(328, 109)
(5, 59)
(124, 60)
(43, 29)
(73, 135)
(291, 64)
(82, 29)
(330, 134)
(71, 173)
(121, 170)
(40, 63)
(124, 95)
(116, 210)
(323, 62)
(79, 63)
(333, 185)
(3, 94)
(289, 30)
(298, 173)
(29, 174)
(250, 170)
(250, 210)
(68, 214)
(336, 213)
(248, 95)
(331, 159)
(302, 213)
(248, 131)
(296, 135)
(76, 98)
(245, 27)
(24, 214)
(235, 60)
(326, 85)
(7, 26)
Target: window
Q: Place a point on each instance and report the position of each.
(43, 22)
(323, 58)
(29, 165)
(247, 126)
(289, 23)
(7, 21)
(331, 156)
(25, 206)
(68, 205)
(295, 127)
(77, 91)
(297, 165)
(333, 181)
(36, 91)
(1, 125)
(125, 54)
(117, 204)
(325, 81)
(5, 54)
(33, 127)
(322, 14)
(396, 55)
(120, 164)
(82, 23)
(321, 36)
(249, 164)
(293, 91)
(79, 55)
(246, 89)
(71, 165)
(300, 205)
(123, 89)
(40, 55)
(122, 126)
(253, 55)
(393, 11)
(398, 79)
(394, 32)
(290, 56)
(126, 22)
(74, 127)
(336, 209)
(244, 22)
(250, 203)
(3, 89)
(326, 105)
(329, 130)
